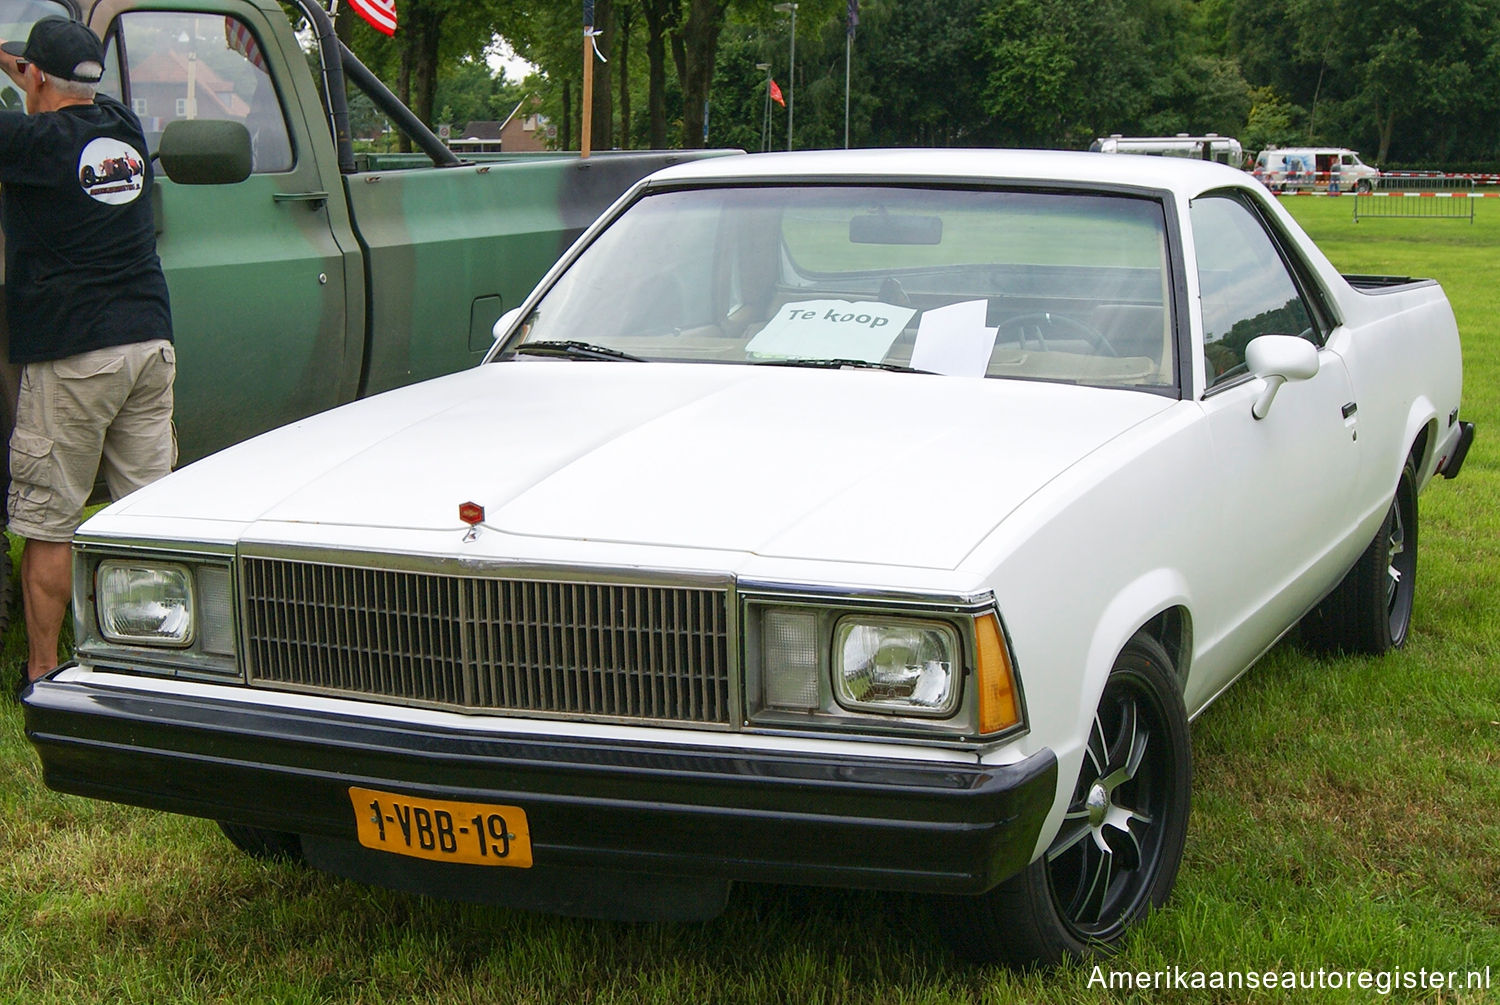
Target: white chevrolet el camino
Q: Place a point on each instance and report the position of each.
(872, 519)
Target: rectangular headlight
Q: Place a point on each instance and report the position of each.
(144, 603)
(936, 666)
(897, 666)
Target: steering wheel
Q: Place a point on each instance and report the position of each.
(1035, 327)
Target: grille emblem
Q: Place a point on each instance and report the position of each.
(472, 514)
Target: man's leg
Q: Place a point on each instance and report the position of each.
(46, 583)
(64, 408)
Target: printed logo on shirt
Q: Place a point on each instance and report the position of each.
(111, 171)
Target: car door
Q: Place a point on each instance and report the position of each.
(1280, 487)
(259, 270)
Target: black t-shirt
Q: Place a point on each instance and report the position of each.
(81, 270)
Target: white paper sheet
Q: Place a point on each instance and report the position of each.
(831, 329)
(954, 340)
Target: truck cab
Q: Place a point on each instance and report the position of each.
(320, 276)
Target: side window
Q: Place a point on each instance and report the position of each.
(180, 65)
(1245, 286)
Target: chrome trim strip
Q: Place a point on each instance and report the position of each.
(487, 568)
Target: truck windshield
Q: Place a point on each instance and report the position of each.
(966, 282)
(16, 19)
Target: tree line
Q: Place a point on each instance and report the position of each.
(1415, 82)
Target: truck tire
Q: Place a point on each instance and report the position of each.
(1369, 612)
(1116, 856)
(263, 844)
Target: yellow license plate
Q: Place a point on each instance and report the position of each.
(442, 830)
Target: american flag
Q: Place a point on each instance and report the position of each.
(380, 13)
(238, 38)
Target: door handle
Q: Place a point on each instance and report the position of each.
(314, 200)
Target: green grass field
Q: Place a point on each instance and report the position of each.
(1346, 818)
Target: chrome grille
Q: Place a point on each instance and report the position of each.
(566, 649)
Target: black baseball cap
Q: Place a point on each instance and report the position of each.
(61, 46)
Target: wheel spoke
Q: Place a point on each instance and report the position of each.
(1092, 891)
(1098, 748)
(1075, 829)
(1127, 749)
(1395, 546)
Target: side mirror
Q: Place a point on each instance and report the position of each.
(506, 323)
(1277, 359)
(205, 152)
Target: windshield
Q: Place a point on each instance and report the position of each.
(975, 283)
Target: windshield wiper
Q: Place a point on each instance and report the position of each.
(840, 364)
(572, 349)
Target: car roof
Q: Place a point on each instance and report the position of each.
(1185, 176)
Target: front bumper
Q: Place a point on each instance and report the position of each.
(594, 805)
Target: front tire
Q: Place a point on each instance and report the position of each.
(1369, 612)
(263, 844)
(1116, 856)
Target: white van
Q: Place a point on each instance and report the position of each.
(1210, 146)
(1323, 169)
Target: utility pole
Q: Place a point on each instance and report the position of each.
(791, 73)
(765, 118)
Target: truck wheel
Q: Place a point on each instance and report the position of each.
(267, 845)
(1116, 855)
(1363, 186)
(1369, 612)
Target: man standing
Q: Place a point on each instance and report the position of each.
(87, 307)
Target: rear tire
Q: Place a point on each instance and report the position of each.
(1116, 856)
(1369, 612)
(263, 844)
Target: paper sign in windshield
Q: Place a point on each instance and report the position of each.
(954, 340)
(831, 329)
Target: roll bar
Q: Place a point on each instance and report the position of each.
(334, 60)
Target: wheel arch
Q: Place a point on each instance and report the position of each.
(1157, 603)
(1422, 435)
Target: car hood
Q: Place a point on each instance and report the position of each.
(848, 465)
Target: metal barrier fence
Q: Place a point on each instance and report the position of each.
(1418, 195)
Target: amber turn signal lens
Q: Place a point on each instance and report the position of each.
(998, 706)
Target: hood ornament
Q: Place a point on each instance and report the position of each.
(472, 514)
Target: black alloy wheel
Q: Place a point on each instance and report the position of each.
(1116, 855)
(1369, 612)
(1104, 864)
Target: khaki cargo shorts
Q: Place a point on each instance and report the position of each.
(107, 410)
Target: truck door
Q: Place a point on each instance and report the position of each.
(267, 324)
(1281, 485)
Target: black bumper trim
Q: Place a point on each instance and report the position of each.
(1455, 460)
(592, 804)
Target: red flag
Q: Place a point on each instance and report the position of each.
(380, 13)
(776, 95)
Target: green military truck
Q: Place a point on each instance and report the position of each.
(322, 275)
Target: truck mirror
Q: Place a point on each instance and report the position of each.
(1277, 359)
(506, 323)
(205, 151)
